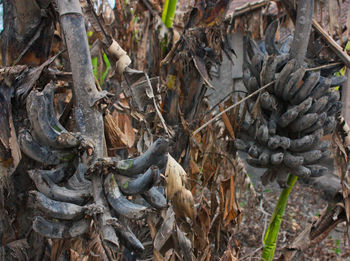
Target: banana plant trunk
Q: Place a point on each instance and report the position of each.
(86, 98)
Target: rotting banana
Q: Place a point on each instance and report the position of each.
(270, 35)
(285, 46)
(49, 94)
(283, 77)
(78, 181)
(55, 192)
(294, 113)
(60, 173)
(57, 209)
(292, 161)
(35, 151)
(310, 157)
(120, 204)
(304, 122)
(140, 184)
(42, 130)
(317, 170)
(138, 165)
(278, 142)
(319, 104)
(306, 88)
(155, 198)
(60, 229)
(292, 85)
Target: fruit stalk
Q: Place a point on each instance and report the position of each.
(271, 234)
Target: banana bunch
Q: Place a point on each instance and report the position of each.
(48, 142)
(287, 120)
(64, 197)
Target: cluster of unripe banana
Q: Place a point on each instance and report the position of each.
(64, 195)
(286, 121)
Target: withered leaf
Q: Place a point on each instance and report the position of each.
(175, 177)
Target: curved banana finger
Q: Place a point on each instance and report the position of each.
(40, 121)
(140, 184)
(57, 209)
(286, 44)
(318, 125)
(306, 88)
(304, 122)
(292, 161)
(270, 35)
(35, 151)
(283, 77)
(155, 198)
(319, 105)
(278, 142)
(119, 203)
(293, 83)
(53, 191)
(59, 173)
(133, 167)
(49, 94)
(338, 80)
(78, 181)
(59, 229)
(321, 88)
(310, 157)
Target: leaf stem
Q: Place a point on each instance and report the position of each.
(169, 12)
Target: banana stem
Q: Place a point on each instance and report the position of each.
(271, 235)
(169, 12)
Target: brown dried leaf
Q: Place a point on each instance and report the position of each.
(202, 228)
(75, 256)
(175, 177)
(165, 231)
(229, 201)
(227, 122)
(183, 204)
(228, 256)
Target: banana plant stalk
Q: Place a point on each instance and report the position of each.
(298, 51)
(271, 234)
(169, 12)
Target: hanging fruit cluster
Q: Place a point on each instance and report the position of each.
(65, 193)
(287, 119)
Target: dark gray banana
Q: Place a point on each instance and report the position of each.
(294, 113)
(60, 229)
(57, 209)
(270, 35)
(155, 198)
(119, 203)
(138, 165)
(40, 119)
(140, 184)
(55, 192)
(37, 152)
